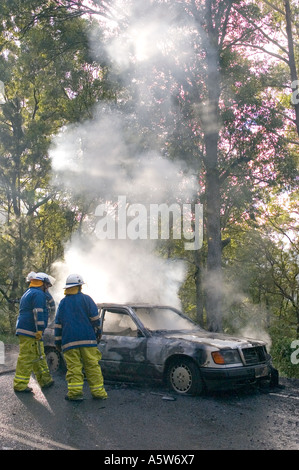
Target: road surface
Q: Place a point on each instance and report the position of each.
(148, 418)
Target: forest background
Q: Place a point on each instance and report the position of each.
(193, 101)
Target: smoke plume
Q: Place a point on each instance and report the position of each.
(99, 161)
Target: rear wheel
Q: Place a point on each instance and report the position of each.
(183, 376)
(53, 358)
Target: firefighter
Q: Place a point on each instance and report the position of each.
(31, 323)
(77, 332)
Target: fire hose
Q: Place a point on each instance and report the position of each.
(39, 351)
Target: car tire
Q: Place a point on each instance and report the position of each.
(54, 359)
(183, 377)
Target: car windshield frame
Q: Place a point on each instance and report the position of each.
(164, 319)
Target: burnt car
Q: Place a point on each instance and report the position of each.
(159, 343)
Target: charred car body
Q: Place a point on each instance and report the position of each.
(157, 343)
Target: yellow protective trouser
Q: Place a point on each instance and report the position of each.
(28, 362)
(88, 358)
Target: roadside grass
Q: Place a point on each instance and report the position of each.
(8, 338)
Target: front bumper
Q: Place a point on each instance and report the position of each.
(231, 377)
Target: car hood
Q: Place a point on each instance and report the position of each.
(217, 340)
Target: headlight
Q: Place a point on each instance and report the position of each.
(229, 356)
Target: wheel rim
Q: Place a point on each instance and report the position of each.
(53, 361)
(181, 378)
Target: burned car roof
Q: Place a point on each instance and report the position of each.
(198, 333)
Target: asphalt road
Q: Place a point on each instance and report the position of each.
(148, 418)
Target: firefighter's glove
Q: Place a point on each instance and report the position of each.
(38, 335)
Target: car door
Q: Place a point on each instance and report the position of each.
(122, 345)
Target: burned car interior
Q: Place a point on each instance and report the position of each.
(118, 323)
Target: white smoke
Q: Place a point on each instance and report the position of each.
(120, 272)
(99, 160)
(242, 316)
(95, 159)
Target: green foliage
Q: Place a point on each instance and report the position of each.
(50, 81)
(282, 353)
(55, 223)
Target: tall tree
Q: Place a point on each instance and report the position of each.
(227, 115)
(50, 80)
(252, 152)
(283, 17)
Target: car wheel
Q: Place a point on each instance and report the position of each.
(184, 377)
(53, 358)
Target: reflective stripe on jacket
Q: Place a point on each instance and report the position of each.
(76, 319)
(27, 323)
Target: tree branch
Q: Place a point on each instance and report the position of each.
(261, 30)
(273, 54)
(274, 7)
(39, 203)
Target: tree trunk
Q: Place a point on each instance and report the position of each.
(213, 281)
(210, 121)
(292, 61)
(12, 315)
(199, 287)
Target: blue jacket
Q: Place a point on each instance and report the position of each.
(28, 323)
(76, 322)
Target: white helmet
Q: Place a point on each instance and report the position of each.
(40, 277)
(73, 280)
